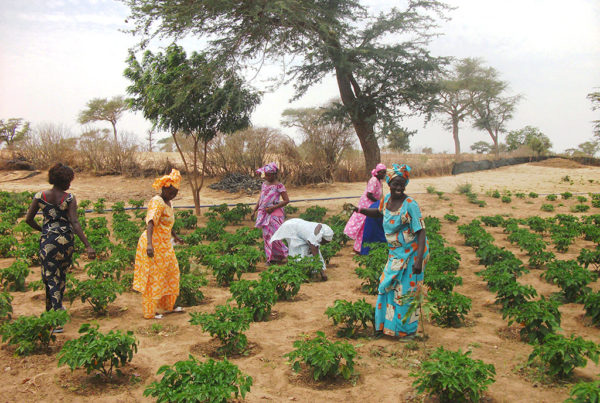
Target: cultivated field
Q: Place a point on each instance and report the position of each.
(383, 364)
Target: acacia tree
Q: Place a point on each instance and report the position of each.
(528, 136)
(102, 109)
(192, 96)
(383, 68)
(325, 138)
(13, 130)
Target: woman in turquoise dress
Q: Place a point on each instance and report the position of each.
(408, 253)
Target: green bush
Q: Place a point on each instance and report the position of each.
(289, 210)
(99, 206)
(311, 266)
(226, 267)
(580, 208)
(571, 278)
(30, 333)
(258, 296)
(547, 208)
(97, 292)
(562, 355)
(286, 279)
(227, 324)
(354, 316)
(551, 197)
(591, 304)
(314, 214)
(189, 289)
(195, 381)
(582, 199)
(127, 281)
(495, 194)
(520, 195)
(566, 195)
(506, 199)
(371, 266)
(441, 281)
(451, 217)
(184, 219)
(325, 359)
(453, 376)
(538, 318)
(464, 189)
(96, 351)
(533, 195)
(105, 269)
(5, 306)
(585, 392)
(13, 277)
(452, 308)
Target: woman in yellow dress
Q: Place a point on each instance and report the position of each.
(156, 273)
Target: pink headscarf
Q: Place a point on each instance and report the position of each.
(379, 167)
(271, 167)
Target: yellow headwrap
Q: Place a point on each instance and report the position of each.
(174, 179)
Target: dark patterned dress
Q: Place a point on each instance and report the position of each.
(56, 248)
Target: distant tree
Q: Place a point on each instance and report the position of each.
(589, 147)
(167, 144)
(192, 96)
(427, 150)
(13, 130)
(150, 139)
(325, 137)
(381, 63)
(481, 147)
(102, 109)
(531, 137)
(399, 139)
(594, 97)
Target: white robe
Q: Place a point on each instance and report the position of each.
(299, 234)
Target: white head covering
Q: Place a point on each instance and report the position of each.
(326, 232)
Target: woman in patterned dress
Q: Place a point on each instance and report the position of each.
(59, 209)
(156, 272)
(269, 212)
(408, 254)
(356, 224)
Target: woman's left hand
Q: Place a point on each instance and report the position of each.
(417, 267)
(269, 210)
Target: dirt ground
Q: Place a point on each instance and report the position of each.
(384, 364)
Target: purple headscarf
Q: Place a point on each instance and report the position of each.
(378, 167)
(271, 167)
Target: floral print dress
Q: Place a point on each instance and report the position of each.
(355, 225)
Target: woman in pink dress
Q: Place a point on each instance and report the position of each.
(356, 223)
(269, 212)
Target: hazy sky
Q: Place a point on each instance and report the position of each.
(55, 55)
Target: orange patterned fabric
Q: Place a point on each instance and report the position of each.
(157, 277)
(149, 305)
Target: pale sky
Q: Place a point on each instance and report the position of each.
(55, 55)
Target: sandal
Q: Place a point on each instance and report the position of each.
(178, 309)
(158, 316)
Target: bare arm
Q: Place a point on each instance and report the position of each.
(176, 237)
(418, 266)
(149, 232)
(30, 217)
(74, 220)
(285, 200)
(369, 212)
(371, 197)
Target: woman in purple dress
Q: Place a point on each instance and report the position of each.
(269, 212)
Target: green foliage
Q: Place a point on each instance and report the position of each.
(571, 278)
(531, 137)
(289, 210)
(226, 267)
(551, 197)
(495, 194)
(591, 304)
(588, 258)
(286, 279)
(7, 243)
(99, 206)
(127, 281)
(464, 189)
(520, 195)
(258, 296)
(96, 351)
(30, 333)
(451, 217)
(371, 266)
(562, 355)
(538, 318)
(493, 221)
(581, 199)
(537, 224)
(580, 208)
(585, 392)
(566, 195)
(184, 219)
(105, 269)
(212, 231)
(195, 381)
(354, 316)
(324, 358)
(98, 234)
(189, 289)
(314, 214)
(233, 216)
(227, 324)
(13, 277)
(440, 280)
(5, 306)
(533, 195)
(97, 292)
(452, 308)
(453, 376)
(506, 199)
(547, 208)
(309, 265)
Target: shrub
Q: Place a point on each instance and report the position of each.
(289, 209)
(97, 292)
(533, 195)
(309, 265)
(29, 333)
(13, 277)
(441, 281)
(324, 358)
(571, 278)
(585, 392)
(258, 296)
(514, 294)
(286, 279)
(185, 219)
(551, 197)
(464, 189)
(213, 231)
(127, 281)
(105, 269)
(227, 324)
(506, 199)
(582, 199)
(354, 316)
(562, 355)
(451, 217)
(566, 195)
(189, 289)
(195, 381)
(547, 208)
(96, 351)
(580, 208)
(371, 266)
(520, 195)
(495, 194)
(591, 304)
(538, 318)
(589, 257)
(453, 376)
(452, 308)
(5, 306)
(99, 206)
(314, 214)
(225, 267)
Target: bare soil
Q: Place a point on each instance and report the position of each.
(384, 364)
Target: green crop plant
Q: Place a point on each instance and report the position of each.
(99, 293)
(99, 206)
(6, 308)
(538, 318)
(286, 279)
(533, 195)
(96, 351)
(289, 210)
(585, 392)
(371, 266)
(591, 304)
(451, 308)
(561, 355)
(451, 217)
(189, 289)
(354, 316)
(30, 333)
(580, 208)
(227, 324)
(13, 277)
(314, 214)
(566, 195)
(547, 208)
(196, 381)
(325, 359)
(258, 296)
(551, 197)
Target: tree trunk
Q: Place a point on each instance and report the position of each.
(114, 125)
(364, 130)
(495, 140)
(455, 135)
